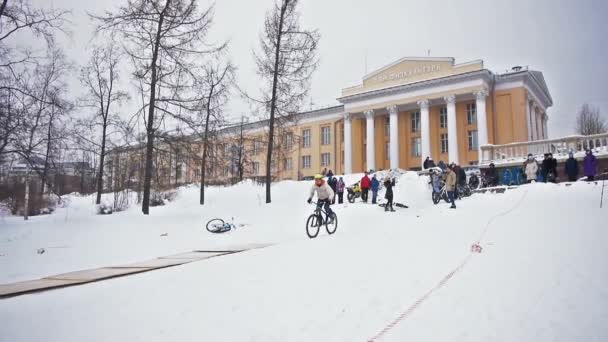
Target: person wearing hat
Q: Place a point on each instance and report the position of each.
(590, 166)
(571, 168)
(324, 196)
(389, 183)
(375, 186)
(340, 190)
(530, 168)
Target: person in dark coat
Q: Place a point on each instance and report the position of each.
(571, 168)
(375, 187)
(365, 185)
(492, 175)
(590, 166)
(330, 173)
(550, 168)
(442, 165)
(333, 183)
(426, 163)
(388, 195)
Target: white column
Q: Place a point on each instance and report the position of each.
(425, 131)
(371, 148)
(529, 119)
(546, 123)
(394, 136)
(452, 129)
(348, 141)
(482, 121)
(534, 122)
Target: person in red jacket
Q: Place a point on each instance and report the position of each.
(366, 183)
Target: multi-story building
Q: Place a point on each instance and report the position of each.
(397, 116)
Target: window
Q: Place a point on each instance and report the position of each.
(226, 149)
(226, 171)
(387, 128)
(287, 164)
(288, 141)
(257, 147)
(415, 121)
(306, 138)
(388, 151)
(256, 168)
(471, 114)
(325, 159)
(306, 162)
(325, 136)
(444, 143)
(443, 117)
(473, 141)
(416, 148)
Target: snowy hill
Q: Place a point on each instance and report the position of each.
(539, 277)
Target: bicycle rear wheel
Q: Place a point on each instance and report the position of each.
(331, 227)
(313, 224)
(216, 225)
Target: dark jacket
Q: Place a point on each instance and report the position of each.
(389, 184)
(375, 184)
(332, 182)
(571, 168)
(549, 166)
(462, 176)
(425, 165)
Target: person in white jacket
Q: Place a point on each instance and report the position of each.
(530, 169)
(325, 195)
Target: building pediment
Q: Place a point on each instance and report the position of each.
(410, 70)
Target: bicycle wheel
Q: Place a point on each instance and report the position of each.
(216, 225)
(331, 227)
(436, 197)
(313, 224)
(351, 197)
(445, 196)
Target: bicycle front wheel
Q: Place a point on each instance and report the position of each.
(313, 224)
(332, 225)
(215, 225)
(436, 197)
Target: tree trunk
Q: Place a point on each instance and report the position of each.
(205, 143)
(26, 201)
(145, 206)
(2, 7)
(102, 157)
(273, 101)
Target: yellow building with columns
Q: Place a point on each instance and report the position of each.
(418, 107)
(398, 115)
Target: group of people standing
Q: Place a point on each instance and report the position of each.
(548, 168)
(373, 184)
(337, 185)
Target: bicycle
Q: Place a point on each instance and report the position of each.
(217, 225)
(441, 194)
(315, 220)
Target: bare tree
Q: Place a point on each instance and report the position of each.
(589, 121)
(285, 62)
(217, 80)
(166, 39)
(16, 61)
(100, 78)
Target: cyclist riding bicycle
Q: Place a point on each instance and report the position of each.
(324, 194)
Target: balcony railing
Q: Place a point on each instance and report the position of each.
(558, 147)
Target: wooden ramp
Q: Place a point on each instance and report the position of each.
(102, 273)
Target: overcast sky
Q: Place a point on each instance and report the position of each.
(566, 40)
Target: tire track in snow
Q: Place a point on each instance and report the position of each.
(449, 276)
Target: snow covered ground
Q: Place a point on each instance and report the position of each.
(540, 276)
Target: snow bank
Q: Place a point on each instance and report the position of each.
(539, 277)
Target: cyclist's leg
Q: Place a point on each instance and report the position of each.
(327, 209)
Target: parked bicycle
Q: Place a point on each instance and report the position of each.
(315, 221)
(217, 225)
